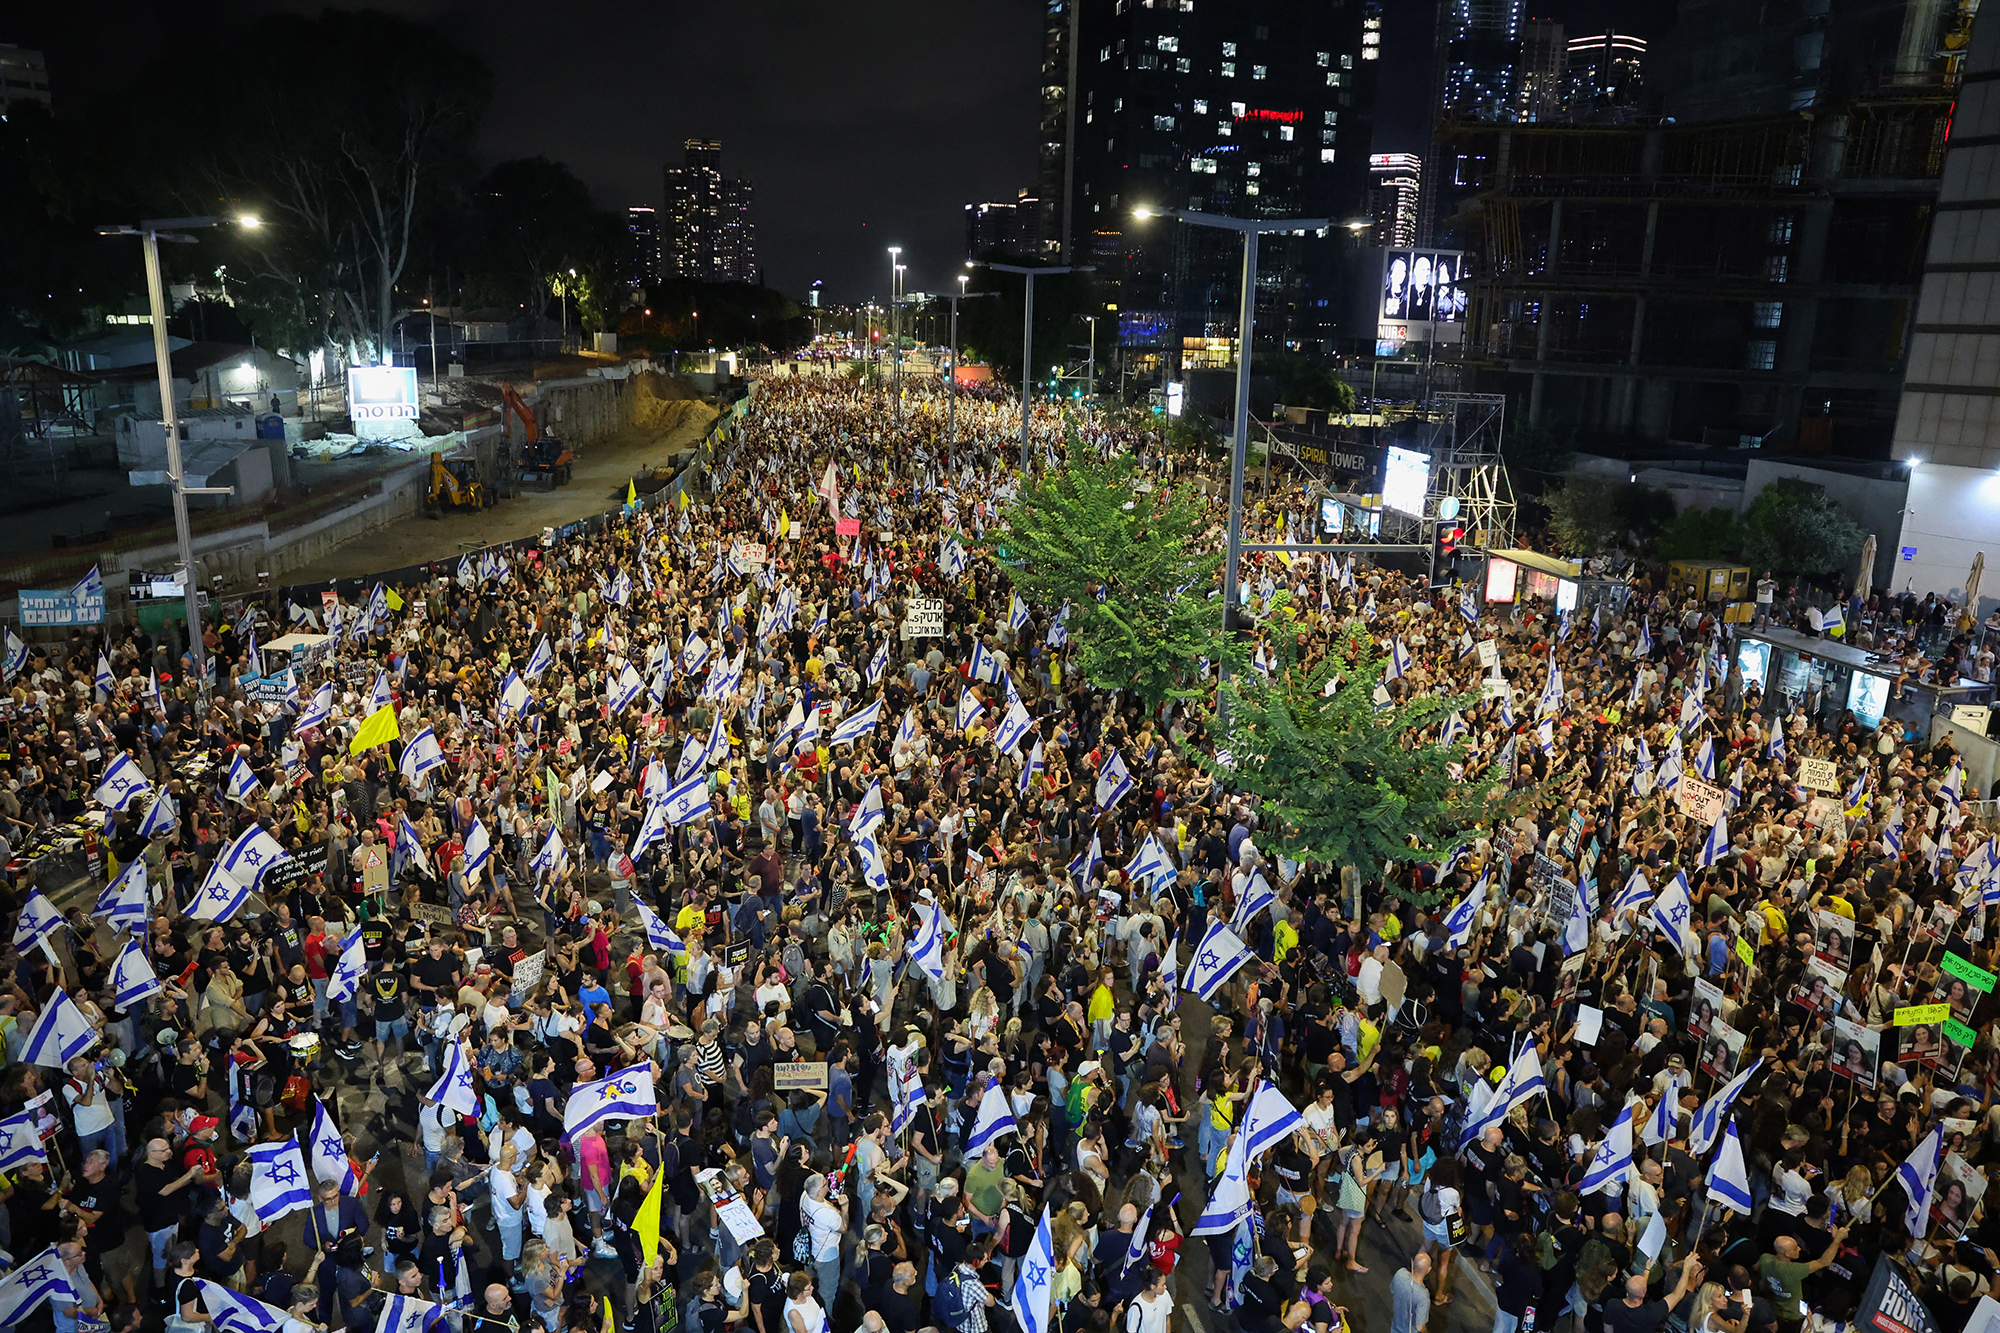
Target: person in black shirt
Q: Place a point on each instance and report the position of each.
(898, 1302)
(392, 1017)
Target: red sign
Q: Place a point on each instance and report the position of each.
(848, 527)
(1282, 117)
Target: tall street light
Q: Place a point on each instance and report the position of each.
(1028, 338)
(1251, 229)
(951, 391)
(889, 324)
(897, 338)
(150, 235)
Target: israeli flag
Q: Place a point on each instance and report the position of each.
(1729, 1178)
(23, 1290)
(241, 783)
(995, 1118)
(1034, 1288)
(17, 655)
(318, 713)
(1399, 661)
(652, 830)
(1704, 759)
(236, 1313)
(1270, 1119)
(478, 849)
(687, 802)
(349, 970)
(984, 666)
(1664, 1123)
(927, 949)
(1058, 635)
(254, 852)
(874, 866)
(552, 855)
(380, 696)
(1229, 1200)
(857, 724)
(1708, 1121)
(39, 920)
(1775, 747)
(540, 660)
(132, 978)
(1017, 614)
(658, 933)
(1149, 864)
(420, 756)
(694, 654)
(1257, 895)
(1545, 736)
(291, 690)
(220, 896)
(330, 1161)
(1671, 913)
(1013, 727)
(20, 1141)
(1468, 606)
(123, 783)
(1892, 833)
(1917, 1175)
(951, 558)
(1613, 1159)
(1644, 647)
(968, 710)
(1454, 727)
(107, 684)
(1716, 845)
(1221, 952)
(1458, 923)
(1113, 781)
(625, 1095)
(628, 686)
(878, 663)
(409, 850)
(1635, 894)
(454, 1086)
(1087, 861)
(1522, 1082)
(1576, 928)
(1032, 768)
(868, 812)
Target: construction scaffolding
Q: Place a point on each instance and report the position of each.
(1462, 433)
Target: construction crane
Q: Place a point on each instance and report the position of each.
(542, 454)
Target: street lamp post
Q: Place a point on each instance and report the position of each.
(882, 358)
(1251, 229)
(951, 391)
(150, 235)
(896, 338)
(1028, 338)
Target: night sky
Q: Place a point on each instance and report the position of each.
(861, 126)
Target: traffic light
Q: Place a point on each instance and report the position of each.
(1446, 534)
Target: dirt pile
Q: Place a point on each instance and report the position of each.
(667, 402)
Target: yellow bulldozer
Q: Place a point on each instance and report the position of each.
(455, 484)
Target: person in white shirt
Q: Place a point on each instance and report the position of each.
(1153, 1310)
(1369, 981)
(827, 1222)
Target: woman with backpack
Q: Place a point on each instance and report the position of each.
(1443, 1223)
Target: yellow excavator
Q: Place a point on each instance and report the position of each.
(455, 484)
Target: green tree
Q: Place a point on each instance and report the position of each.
(990, 330)
(1346, 782)
(1083, 531)
(1591, 517)
(1699, 534)
(1796, 528)
(1300, 381)
(530, 222)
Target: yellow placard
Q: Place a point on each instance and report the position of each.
(1745, 952)
(1913, 1014)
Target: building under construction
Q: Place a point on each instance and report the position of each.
(1737, 270)
(1735, 282)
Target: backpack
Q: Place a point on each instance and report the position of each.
(1430, 1206)
(950, 1305)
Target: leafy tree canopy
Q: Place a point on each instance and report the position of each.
(1343, 780)
(1590, 517)
(1795, 528)
(1128, 565)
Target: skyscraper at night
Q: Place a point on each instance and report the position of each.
(708, 234)
(1257, 109)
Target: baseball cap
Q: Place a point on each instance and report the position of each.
(1088, 1067)
(203, 1123)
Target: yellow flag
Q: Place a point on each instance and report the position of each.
(610, 1319)
(646, 1222)
(784, 525)
(395, 602)
(379, 729)
(682, 500)
(631, 493)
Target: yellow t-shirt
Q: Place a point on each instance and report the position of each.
(1840, 906)
(1285, 939)
(1103, 1004)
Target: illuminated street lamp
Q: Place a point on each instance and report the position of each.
(150, 234)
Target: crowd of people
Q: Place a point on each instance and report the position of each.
(953, 992)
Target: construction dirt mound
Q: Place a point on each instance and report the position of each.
(668, 402)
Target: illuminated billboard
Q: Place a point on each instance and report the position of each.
(1406, 479)
(1423, 287)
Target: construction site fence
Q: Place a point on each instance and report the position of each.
(717, 450)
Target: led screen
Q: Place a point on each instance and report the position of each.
(1406, 479)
